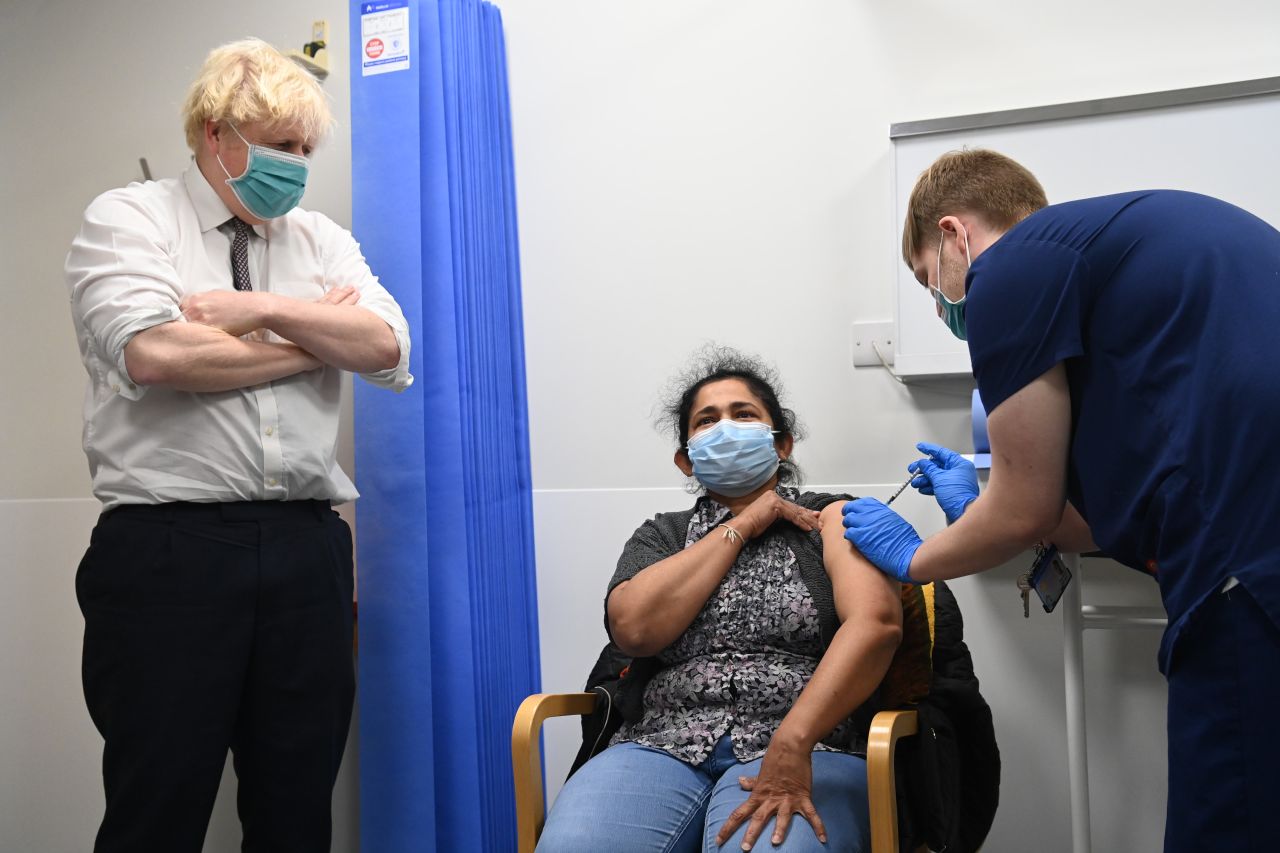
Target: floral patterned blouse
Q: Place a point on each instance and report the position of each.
(741, 664)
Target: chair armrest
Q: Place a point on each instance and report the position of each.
(887, 728)
(526, 756)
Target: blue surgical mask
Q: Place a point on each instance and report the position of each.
(952, 312)
(734, 458)
(273, 181)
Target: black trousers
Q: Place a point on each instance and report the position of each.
(211, 627)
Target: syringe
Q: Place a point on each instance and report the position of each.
(901, 489)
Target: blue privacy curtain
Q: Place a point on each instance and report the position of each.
(448, 616)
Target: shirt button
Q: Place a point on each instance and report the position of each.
(115, 388)
(270, 430)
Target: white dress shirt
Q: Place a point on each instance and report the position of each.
(140, 250)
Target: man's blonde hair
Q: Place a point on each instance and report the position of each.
(1000, 190)
(250, 81)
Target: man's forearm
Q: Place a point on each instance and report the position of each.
(1023, 504)
(346, 336)
(194, 357)
(985, 536)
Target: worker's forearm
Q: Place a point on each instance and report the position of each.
(651, 610)
(987, 535)
(194, 357)
(1023, 504)
(346, 336)
(849, 672)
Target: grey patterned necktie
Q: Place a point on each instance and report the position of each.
(240, 254)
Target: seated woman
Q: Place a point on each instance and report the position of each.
(768, 632)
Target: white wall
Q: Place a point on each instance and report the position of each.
(88, 88)
(705, 169)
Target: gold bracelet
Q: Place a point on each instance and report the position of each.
(731, 534)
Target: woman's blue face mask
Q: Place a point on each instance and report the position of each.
(734, 458)
(273, 181)
(952, 312)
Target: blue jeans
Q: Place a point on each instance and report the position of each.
(635, 799)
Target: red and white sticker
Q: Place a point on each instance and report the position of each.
(374, 48)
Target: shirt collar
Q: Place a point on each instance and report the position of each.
(210, 210)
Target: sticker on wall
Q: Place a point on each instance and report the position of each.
(384, 36)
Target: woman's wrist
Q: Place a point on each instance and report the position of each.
(790, 738)
(732, 534)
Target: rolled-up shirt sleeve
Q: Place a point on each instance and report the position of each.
(345, 266)
(122, 281)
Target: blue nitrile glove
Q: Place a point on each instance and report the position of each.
(882, 536)
(946, 475)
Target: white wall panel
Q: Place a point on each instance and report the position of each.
(50, 780)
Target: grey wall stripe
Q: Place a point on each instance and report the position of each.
(1081, 109)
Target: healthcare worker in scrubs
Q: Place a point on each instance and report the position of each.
(1127, 349)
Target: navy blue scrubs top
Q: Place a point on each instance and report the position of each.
(1165, 309)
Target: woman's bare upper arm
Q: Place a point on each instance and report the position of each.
(857, 585)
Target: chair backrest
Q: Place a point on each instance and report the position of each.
(606, 681)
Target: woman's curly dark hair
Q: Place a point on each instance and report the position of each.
(711, 363)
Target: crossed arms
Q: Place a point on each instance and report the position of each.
(207, 353)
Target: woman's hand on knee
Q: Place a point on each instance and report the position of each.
(783, 789)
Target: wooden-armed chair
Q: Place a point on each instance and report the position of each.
(887, 728)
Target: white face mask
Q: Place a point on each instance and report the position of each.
(734, 458)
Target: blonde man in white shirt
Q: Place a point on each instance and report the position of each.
(214, 319)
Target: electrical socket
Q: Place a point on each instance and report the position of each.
(867, 337)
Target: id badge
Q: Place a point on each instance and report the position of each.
(1049, 577)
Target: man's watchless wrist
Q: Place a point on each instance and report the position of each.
(268, 309)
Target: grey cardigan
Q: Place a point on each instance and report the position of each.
(664, 535)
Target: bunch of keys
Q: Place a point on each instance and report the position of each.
(1024, 588)
(1048, 576)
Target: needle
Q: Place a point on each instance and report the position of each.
(901, 489)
